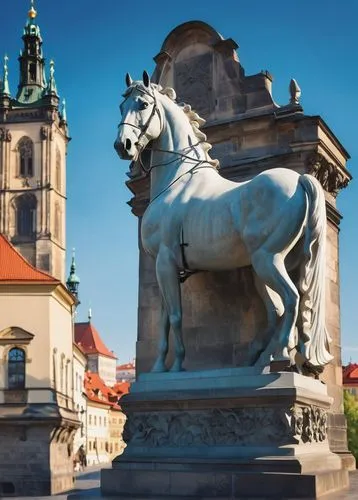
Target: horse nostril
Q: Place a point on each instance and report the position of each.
(119, 147)
(128, 144)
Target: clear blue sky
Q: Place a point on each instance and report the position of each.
(95, 42)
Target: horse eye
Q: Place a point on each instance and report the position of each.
(143, 105)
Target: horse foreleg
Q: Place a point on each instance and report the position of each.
(271, 269)
(168, 280)
(159, 365)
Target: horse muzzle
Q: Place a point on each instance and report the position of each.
(126, 149)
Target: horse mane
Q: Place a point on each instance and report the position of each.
(194, 119)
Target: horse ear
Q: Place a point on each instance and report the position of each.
(129, 80)
(146, 79)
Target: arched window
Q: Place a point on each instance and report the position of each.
(58, 170)
(16, 369)
(26, 215)
(26, 155)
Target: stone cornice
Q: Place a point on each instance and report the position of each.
(333, 215)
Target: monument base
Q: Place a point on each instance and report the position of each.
(232, 433)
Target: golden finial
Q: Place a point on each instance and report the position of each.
(32, 12)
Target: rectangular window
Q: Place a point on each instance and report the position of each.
(29, 167)
(22, 166)
(32, 72)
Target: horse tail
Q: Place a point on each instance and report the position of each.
(314, 342)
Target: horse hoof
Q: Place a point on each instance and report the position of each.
(263, 360)
(282, 355)
(159, 367)
(177, 367)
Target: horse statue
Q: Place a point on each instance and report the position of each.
(199, 221)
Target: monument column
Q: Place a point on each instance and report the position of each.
(222, 428)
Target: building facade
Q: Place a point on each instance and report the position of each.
(350, 379)
(126, 372)
(33, 145)
(105, 421)
(38, 419)
(38, 415)
(79, 396)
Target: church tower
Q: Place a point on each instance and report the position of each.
(33, 144)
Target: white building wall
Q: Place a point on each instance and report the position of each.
(107, 370)
(79, 398)
(97, 433)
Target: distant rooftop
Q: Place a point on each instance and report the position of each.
(89, 340)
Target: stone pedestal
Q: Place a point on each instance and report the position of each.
(230, 433)
(36, 454)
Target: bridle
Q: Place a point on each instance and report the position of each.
(145, 127)
(178, 154)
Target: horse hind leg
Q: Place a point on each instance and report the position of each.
(164, 327)
(271, 269)
(274, 310)
(168, 281)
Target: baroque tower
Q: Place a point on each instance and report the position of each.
(33, 145)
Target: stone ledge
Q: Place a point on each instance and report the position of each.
(219, 485)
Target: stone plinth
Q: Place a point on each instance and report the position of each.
(227, 433)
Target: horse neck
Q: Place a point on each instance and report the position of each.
(177, 136)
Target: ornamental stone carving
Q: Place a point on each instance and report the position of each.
(44, 133)
(227, 427)
(193, 82)
(327, 173)
(5, 135)
(309, 424)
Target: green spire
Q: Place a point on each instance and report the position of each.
(51, 87)
(5, 89)
(73, 280)
(31, 28)
(32, 82)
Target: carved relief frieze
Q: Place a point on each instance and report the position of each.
(227, 427)
(328, 174)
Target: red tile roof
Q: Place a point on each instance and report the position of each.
(14, 267)
(96, 390)
(89, 340)
(121, 388)
(127, 366)
(350, 374)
